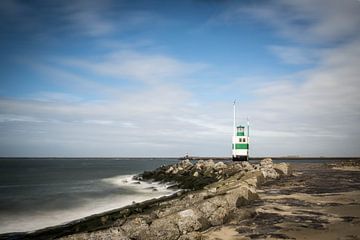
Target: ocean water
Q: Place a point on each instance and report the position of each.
(37, 193)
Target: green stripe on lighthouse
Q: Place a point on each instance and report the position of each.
(241, 146)
(240, 134)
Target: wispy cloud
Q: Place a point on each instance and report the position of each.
(316, 108)
(142, 102)
(303, 21)
(295, 55)
(132, 65)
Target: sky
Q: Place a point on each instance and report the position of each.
(146, 78)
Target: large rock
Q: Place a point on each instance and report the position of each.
(267, 168)
(247, 166)
(266, 162)
(107, 234)
(220, 166)
(241, 196)
(255, 178)
(135, 228)
(188, 220)
(214, 210)
(162, 229)
(191, 236)
(284, 169)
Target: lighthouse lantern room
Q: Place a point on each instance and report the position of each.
(240, 141)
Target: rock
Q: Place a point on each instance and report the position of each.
(270, 173)
(188, 221)
(191, 236)
(284, 169)
(214, 210)
(247, 198)
(254, 179)
(135, 228)
(162, 229)
(266, 162)
(266, 167)
(220, 166)
(247, 166)
(136, 182)
(186, 164)
(107, 234)
(241, 196)
(169, 170)
(196, 174)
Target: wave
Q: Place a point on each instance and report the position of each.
(128, 181)
(34, 220)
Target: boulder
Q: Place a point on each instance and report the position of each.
(188, 221)
(219, 166)
(255, 178)
(270, 173)
(191, 236)
(135, 228)
(266, 167)
(241, 196)
(107, 234)
(266, 162)
(284, 169)
(214, 209)
(185, 164)
(246, 166)
(169, 170)
(162, 229)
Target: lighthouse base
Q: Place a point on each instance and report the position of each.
(240, 158)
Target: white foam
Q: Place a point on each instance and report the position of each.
(128, 181)
(41, 219)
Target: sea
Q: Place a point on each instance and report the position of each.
(42, 192)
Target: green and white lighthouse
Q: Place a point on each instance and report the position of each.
(240, 141)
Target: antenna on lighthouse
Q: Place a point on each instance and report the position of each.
(234, 124)
(248, 127)
(248, 136)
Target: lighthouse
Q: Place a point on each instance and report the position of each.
(240, 140)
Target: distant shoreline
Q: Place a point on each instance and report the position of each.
(274, 158)
(192, 158)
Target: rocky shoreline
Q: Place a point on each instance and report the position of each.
(233, 201)
(212, 194)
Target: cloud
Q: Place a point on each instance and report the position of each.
(306, 21)
(43, 20)
(294, 55)
(132, 65)
(322, 108)
(160, 121)
(315, 110)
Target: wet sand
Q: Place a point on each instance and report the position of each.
(318, 202)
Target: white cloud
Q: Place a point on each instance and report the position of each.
(314, 111)
(305, 21)
(294, 55)
(131, 125)
(131, 65)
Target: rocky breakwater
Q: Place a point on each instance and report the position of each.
(218, 192)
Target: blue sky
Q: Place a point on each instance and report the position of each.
(157, 78)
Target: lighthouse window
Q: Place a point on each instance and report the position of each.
(244, 140)
(240, 139)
